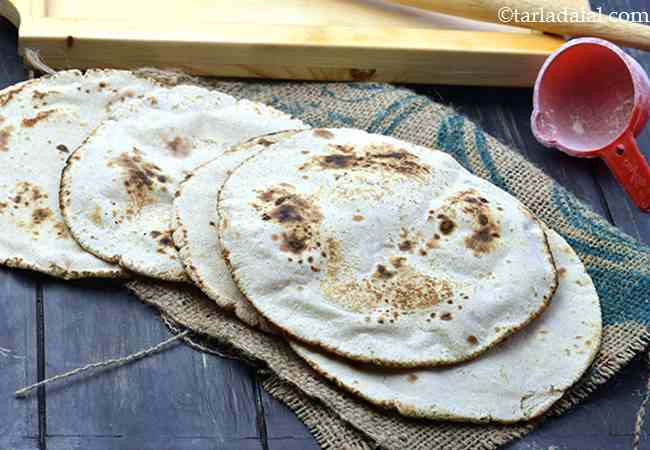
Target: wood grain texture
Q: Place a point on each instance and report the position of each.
(288, 39)
(623, 213)
(260, 12)
(536, 15)
(184, 395)
(19, 428)
(18, 418)
(284, 430)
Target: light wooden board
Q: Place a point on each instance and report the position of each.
(286, 39)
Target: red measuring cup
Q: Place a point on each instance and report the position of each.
(591, 100)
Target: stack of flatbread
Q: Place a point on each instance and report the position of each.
(389, 268)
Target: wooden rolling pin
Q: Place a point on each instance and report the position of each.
(625, 33)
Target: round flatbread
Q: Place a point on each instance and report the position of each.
(195, 230)
(382, 251)
(41, 122)
(518, 380)
(117, 188)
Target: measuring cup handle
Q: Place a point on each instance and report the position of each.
(631, 169)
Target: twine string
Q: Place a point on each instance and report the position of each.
(33, 58)
(113, 362)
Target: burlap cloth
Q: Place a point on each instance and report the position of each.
(619, 266)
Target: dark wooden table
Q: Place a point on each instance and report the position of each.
(183, 399)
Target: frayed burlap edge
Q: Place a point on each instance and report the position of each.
(327, 428)
(316, 401)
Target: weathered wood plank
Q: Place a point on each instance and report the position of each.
(285, 431)
(11, 68)
(151, 440)
(624, 213)
(18, 352)
(177, 396)
(18, 417)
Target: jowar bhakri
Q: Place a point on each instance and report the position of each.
(195, 229)
(42, 122)
(117, 188)
(381, 251)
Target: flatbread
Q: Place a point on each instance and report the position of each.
(518, 380)
(382, 251)
(41, 122)
(195, 230)
(117, 188)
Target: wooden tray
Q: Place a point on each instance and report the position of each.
(286, 39)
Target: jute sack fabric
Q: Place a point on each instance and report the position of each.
(619, 266)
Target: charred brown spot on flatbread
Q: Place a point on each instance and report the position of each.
(483, 240)
(323, 134)
(286, 213)
(338, 161)
(397, 261)
(295, 241)
(412, 378)
(561, 272)
(373, 157)
(140, 178)
(9, 95)
(446, 316)
(61, 230)
(396, 292)
(410, 291)
(179, 147)
(164, 240)
(38, 95)
(485, 228)
(446, 225)
(472, 340)
(29, 122)
(27, 194)
(267, 195)
(383, 272)
(342, 148)
(37, 193)
(406, 245)
(264, 142)
(40, 215)
(5, 134)
(96, 216)
(299, 216)
(62, 148)
(433, 242)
